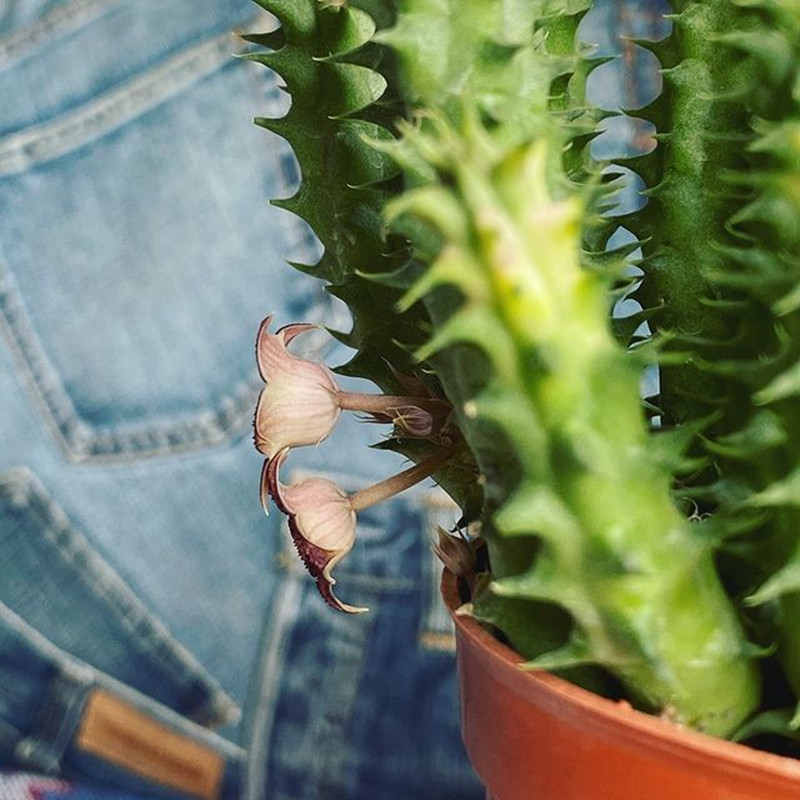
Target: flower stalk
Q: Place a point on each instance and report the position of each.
(419, 417)
(388, 488)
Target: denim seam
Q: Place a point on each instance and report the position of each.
(69, 664)
(338, 699)
(266, 684)
(50, 140)
(148, 634)
(57, 720)
(333, 706)
(81, 443)
(17, 46)
(41, 377)
(228, 421)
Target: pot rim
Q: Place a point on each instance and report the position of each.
(599, 714)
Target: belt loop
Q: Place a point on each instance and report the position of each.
(43, 749)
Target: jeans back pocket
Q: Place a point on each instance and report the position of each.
(137, 250)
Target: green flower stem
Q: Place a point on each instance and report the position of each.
(327, 58)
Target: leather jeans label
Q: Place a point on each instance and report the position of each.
(118, 732)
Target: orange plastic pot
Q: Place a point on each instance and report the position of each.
(533, 736)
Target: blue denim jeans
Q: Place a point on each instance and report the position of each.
(137, 256)
(60, 716)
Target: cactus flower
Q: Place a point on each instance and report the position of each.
(301, 402)
(322, 523)
(322, 517)
(501, 248)
(299, 405)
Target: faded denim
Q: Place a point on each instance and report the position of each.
(44, 694)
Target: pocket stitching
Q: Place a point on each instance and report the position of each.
(59, 21)
(22, 490)
(213, 426)
(81, 442)
(102, 115)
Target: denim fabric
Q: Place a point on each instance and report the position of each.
(137, 256)
(379, 684)
(53, 576)
(131, 283)
(44, 694)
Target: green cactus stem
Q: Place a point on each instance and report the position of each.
(333, 69)
(702, 127)
(760, 461)
(592, 561)
(521, 66)
(325, 54)
(722, 260)
(637, 581)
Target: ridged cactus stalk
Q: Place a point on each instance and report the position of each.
(702, 130)
(761, 458)
(445, 168)
(637, 581)
(724, 176)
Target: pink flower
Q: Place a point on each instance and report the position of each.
(301, 401)
(322, 518)
(322, 522)
(299, 405)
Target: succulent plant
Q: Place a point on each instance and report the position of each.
(446, 169)
(723, 220)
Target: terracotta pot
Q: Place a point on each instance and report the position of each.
(533, 736)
